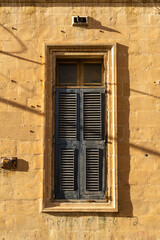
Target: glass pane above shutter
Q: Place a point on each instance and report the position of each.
(67, 74)
(92, 74)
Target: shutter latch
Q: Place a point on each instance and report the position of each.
(105, 139)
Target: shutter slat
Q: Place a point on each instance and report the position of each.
(92, 113)
(79, 124)
(67, 128)
(92, 169)
(67, 170)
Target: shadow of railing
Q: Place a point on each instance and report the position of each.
(21, 58)
(20, 106)
(21, 44)
(23, 48)
(143, 93)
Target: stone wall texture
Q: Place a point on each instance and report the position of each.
(25, 28)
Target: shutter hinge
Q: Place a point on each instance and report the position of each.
(105, 139)
(53, 194)
(107, 91)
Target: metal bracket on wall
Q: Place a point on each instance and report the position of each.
(8, 163)
(79, 21)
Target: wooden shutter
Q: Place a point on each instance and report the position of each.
(66, 144)
(92, 115)
(93, 173)
(67, 169)
(79, 145)
(93, 145)
(67, 115)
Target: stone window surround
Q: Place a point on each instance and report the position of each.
(109, 55)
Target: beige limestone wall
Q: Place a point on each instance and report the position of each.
(24, 29)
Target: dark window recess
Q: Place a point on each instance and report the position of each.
(79, 144)
(92, 73)
(79, 72)
(67, 74)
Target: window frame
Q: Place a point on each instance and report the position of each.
(80, 72)
(109, 55)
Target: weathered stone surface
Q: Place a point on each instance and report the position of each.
(26, 26)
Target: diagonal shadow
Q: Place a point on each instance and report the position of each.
(20, 106)
(154, 152)
(22, 45)
(144, 149)
(21, 58)
(147, 94)
(95, 24)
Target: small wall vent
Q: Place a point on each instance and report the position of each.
(79, 21)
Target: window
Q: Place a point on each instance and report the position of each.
(80, 133)
(80, 73)
(82, 167)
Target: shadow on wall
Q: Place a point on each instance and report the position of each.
(94, 24)
(123, 92)
(22, 165)
(22, 46)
